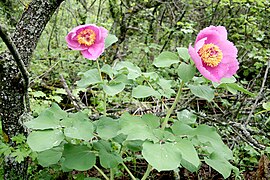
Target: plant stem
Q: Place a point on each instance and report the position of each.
(173, 106)
(101, 172)
(111, 174)
(147, 172)
(105, 96)
(130, 173)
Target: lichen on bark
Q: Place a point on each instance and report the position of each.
(12, 106)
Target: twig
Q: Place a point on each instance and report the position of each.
(76, 102)
(260, 93)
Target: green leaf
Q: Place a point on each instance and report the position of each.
(114, 88)
(206, 134)
(186, 71)
(186, 117)
(80, 128)
(133, 70)
(233, 88)
(266, 105)
(44, 140)
(89, 77)
(166, 59)
(219, 164)
(135, 128)
(110, 39)
(107, 128)
(180, 128)
(108, 70)
(144, 91)
(48, 119)
(78, 157)
(190, 159)
(50, 156)
(134, 145)
(109, 159)
(202, 91)
(151, 120)
(162, 157)
(151, 75)
(183, 53)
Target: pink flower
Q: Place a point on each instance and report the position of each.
(89, 39)
(213, 55)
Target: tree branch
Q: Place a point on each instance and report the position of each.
(13, 50)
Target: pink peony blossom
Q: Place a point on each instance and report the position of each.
(89, 39)
(213, 55)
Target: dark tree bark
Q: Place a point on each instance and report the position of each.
(12, 86)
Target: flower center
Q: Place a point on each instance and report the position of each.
(210, 54)
(87, 37)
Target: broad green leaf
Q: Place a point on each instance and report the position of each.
(50, 156)
(166, 59)
(162, 157)
(133, 70)
(107, 128)
(190, 159)
(206, 134)
(109, 159)
(180, 128)
(80, 128)
(186, 116)
(162, 135)
(108, 70)
(78, 157)
(113, 88)
(151, 75)
(220, 164)
(48, 119)
(110, 39)
(134, 145)
(202, 91)
(183, 53)
(144, 91)
(186, 71)
(135, 128)
(151, 120)
(44, 140)
(89, 77)
(233, 88)
(166, 85)
(102, 145)
(224, 81)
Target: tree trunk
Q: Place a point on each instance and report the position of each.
(12, 91)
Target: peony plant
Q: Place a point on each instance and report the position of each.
(165, 143)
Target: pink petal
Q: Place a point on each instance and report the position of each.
(88, 55)
(96, 49)
(199, 65)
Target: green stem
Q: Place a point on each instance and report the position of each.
(111, 174)
(147, 172)
(101, 172)
(105, 96)
(173, 106)
(130, 173)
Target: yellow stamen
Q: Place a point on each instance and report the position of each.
(210, 54)
(87, 37)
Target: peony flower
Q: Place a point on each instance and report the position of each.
(213, 55)
(89, 39)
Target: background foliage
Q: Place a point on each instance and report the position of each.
(145, 29)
